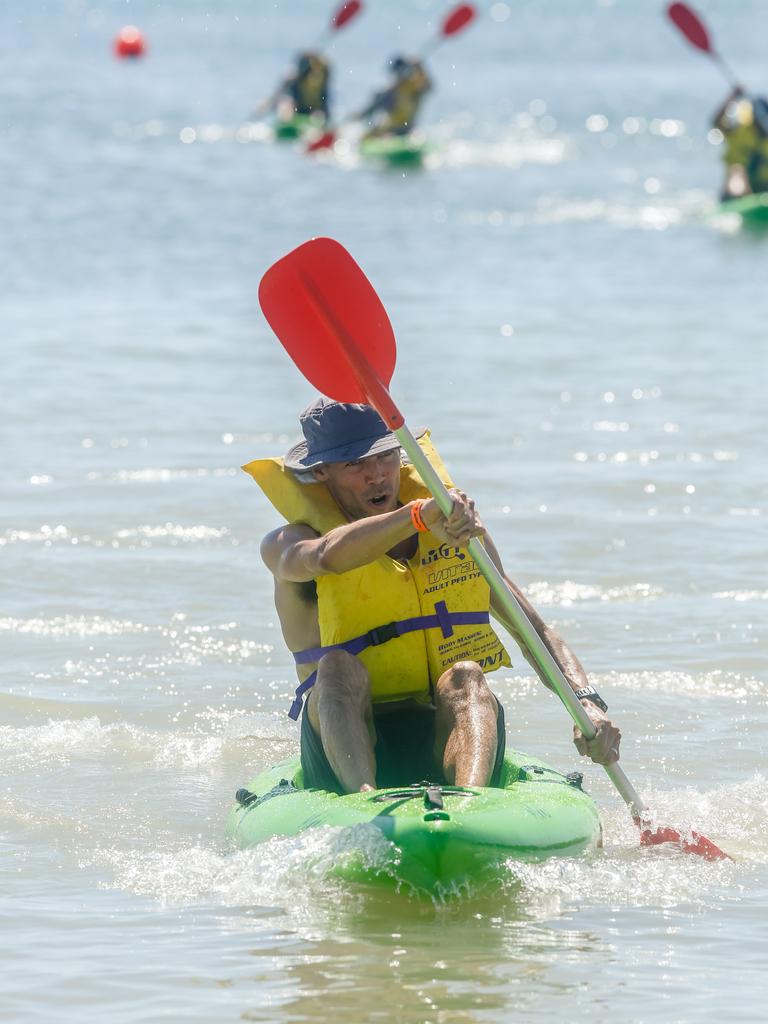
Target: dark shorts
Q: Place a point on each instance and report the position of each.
(405, 743)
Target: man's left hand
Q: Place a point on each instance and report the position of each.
(603, 748)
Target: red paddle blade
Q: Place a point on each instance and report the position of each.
(332, 324)
(696, 844)
(346, 13)
(324, 141)
(690, 25)
(458, 19)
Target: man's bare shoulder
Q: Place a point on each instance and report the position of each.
(276, 542)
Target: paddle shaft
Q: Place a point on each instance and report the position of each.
(432, 44)
(726, 70)
(517, 617)
(690, 25)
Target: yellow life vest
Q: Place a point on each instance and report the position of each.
(740, 143)
(757, 165)
(403, 112)
(407, 623)
(406, 100)
(310, 90)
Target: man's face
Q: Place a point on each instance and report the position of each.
(364, 487)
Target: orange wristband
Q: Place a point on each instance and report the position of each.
(418, 523)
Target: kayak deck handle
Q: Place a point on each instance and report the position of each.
(432, 794)
(433, 797)
(248, 799)
(537, 773)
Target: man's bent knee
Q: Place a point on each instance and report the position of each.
(342, 676)
(462, 675)
(462, 681)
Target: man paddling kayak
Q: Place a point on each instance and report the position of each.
(744, 124)
(304, 92)
(394, 110)
(388, 616)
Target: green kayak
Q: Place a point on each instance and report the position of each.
(395, 150)
(753, 209)
(297, 126)
(436, 838)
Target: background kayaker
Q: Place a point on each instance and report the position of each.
(394, 110)
(744, 124)
(362, 727)
(305, 91)
(757, 167)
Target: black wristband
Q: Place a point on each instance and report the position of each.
(590, 693)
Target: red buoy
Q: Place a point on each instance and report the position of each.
(129, 42)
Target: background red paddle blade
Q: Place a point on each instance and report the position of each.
(328, 318)
(457, 19)
(325, 141)
(346, 12)
(690, 25)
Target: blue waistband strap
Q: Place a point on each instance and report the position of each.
(298, 696)
(442, 620)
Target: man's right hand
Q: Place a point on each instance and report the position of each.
(460, 526)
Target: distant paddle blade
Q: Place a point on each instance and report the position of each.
(346, 13)
(332, 323)
(324, 141)
(690, 25)
(458, 19)
(697, 844)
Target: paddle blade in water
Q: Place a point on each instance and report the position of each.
(696, 844)
(324, 141)
(690, 25)
(333, 325)
(458, 19)
(346, 13)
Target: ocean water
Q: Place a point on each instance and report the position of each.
(586, 339)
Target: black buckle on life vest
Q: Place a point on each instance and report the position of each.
(381, 634)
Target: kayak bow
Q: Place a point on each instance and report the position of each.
(441, 837)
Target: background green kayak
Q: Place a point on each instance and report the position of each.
(752, 209)
(396, 150)
(439, 837)
(296, 126)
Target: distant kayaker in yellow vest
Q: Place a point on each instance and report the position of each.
(394, 110)
(757, 167)
(744, 124)
(387, 614)
(305, 91)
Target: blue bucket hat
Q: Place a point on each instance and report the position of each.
(400, 65)
(338, 432)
